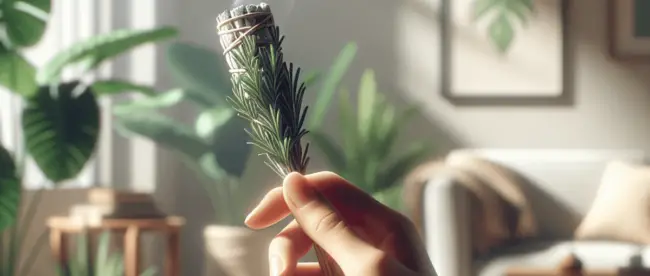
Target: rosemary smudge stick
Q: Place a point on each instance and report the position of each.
(266, 91)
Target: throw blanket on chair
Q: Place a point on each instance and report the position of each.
(499, 208)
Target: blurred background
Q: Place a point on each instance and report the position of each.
(149, 66)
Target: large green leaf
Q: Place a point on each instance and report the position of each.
(24, 20)
(61, 128)
(200, 71)
(9, 190)
(162, 130)
(16, 73)
(114, 87)
(93, 51)
(229, 148)
(162, 100)
(330, 84)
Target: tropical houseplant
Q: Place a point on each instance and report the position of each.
(60, 120)
(367, 154)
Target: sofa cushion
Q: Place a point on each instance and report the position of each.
(621, 209)
(549, 254)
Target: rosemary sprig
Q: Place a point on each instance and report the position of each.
(268, 93)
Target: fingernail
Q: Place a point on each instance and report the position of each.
(276, 265)
(300, 193)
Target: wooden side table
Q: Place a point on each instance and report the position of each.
(132, 229)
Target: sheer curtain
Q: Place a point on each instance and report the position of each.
(116, 158)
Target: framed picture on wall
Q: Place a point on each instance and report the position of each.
(495, 53)
(629, 29)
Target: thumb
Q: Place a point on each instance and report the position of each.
(321, 222)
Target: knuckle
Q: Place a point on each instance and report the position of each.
(328, 223)
(278, 244)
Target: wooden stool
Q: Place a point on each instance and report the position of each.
(170, 227)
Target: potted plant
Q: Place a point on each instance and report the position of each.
(60, 121)
(367, 154)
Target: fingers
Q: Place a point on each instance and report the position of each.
(274, 210)
(287, 248)
(322, 223)
(343, 195)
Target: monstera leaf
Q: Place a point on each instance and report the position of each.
(24, 20)
(9, 190)
(61, 126)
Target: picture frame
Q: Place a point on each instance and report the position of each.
(629, 33)
(469, 77)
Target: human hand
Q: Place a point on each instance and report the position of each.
(363, 236)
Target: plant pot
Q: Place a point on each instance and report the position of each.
(236, 251)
